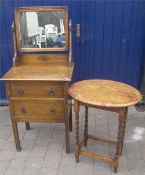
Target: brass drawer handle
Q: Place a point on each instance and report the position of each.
(20, 91)
(51, 92)
(43, 58)
(23, 110)
(53, 109)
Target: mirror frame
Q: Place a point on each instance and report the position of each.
(40, 9)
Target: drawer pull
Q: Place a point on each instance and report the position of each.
(23, 110)
(20, 91)
(43, 58)
(51, 92)
(53, 109)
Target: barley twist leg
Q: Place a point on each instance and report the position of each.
(77, 138)
(86, 126)
(123, 130)
(119, 143)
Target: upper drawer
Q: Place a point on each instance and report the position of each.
(37, 89)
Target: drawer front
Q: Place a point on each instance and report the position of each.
(38, 109)
(36, 89)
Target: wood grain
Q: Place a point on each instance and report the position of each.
(54, 59)
(37, 84)
(38, 108)
(32, 89)
(39, 72)
(105, 93)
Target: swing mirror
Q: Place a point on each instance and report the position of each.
(41, 29)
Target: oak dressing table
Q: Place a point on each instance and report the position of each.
(37, 84)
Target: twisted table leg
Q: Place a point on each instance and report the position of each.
(123, 130)
(119, 143)
(77, 138)
(86, 126)
(77, 147)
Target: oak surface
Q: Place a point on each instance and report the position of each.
(40, 72)
(37, 84)
(105, 93)
(31, 89)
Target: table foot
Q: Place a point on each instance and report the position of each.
(18, 148)
(77, 160)
(115, 170)
(85, 144)
(77, 153)
(85, 140)
(115, 164)
(27, 125)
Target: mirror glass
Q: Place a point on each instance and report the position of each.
(42, 29)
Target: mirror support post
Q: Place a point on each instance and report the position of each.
(70, 43)
(15, 46)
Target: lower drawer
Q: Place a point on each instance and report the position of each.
(38, 109)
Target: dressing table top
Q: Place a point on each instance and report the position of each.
(39, 72)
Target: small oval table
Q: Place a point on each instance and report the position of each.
(107, 95)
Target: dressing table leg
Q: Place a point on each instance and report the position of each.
(27, 125)
(14, 123)
(16, 136)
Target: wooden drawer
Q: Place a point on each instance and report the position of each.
(36, 89)
(38, 109)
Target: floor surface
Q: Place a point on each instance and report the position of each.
(43, 149)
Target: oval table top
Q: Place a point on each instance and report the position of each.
(104, 93)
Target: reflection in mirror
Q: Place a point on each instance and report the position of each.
(42, 29)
